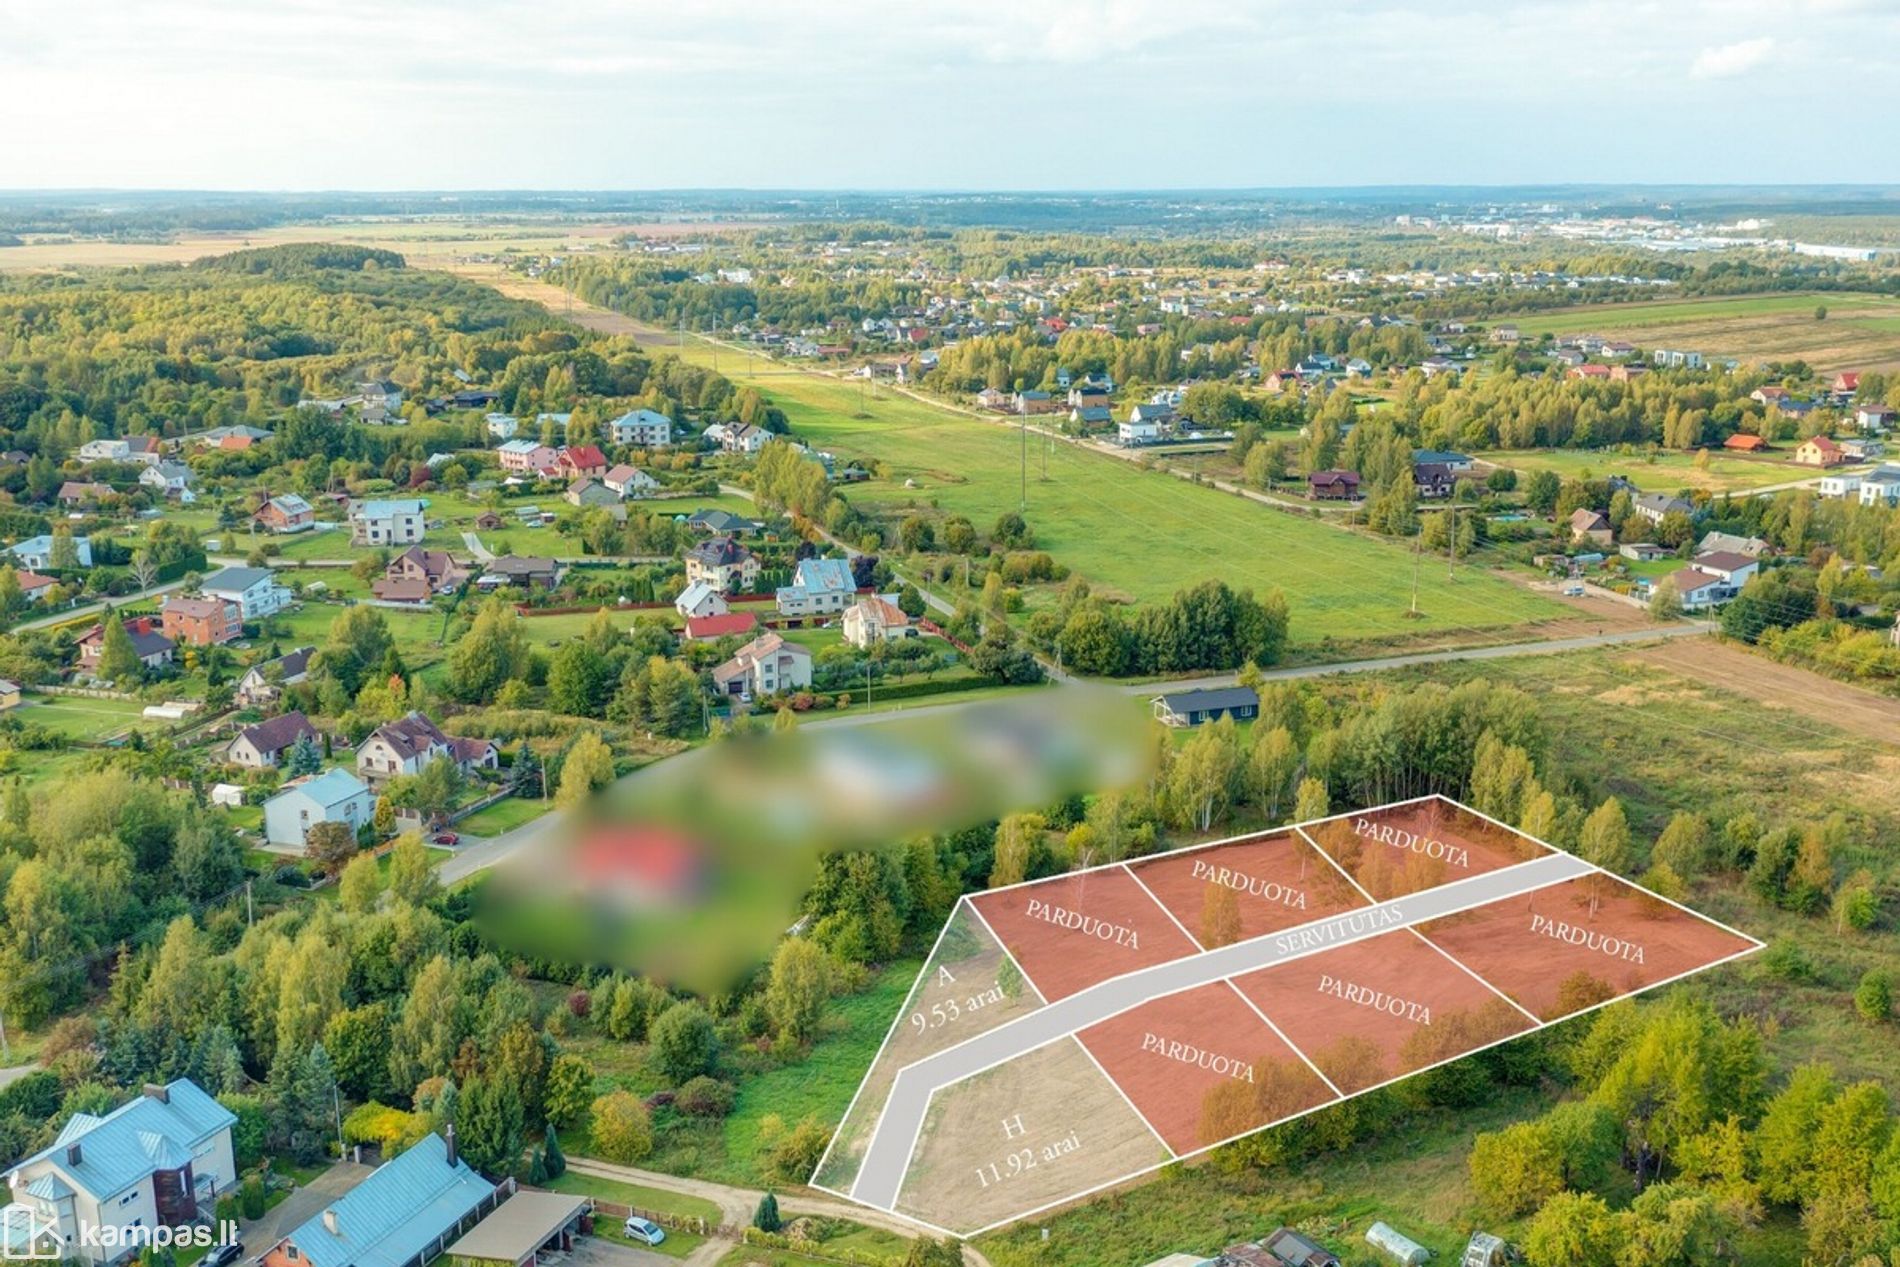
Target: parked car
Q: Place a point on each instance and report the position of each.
(643, 1230)
(223, 1255)
(447, 838)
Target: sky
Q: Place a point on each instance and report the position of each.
(922, 94)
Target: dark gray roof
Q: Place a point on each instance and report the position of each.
(1220, 697)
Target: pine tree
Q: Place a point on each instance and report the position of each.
(766, 1217)
(556, 1160)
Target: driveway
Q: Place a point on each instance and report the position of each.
(598, 1251)
(476, 548)
(301, 1206)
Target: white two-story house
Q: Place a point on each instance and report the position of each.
(160, 1160)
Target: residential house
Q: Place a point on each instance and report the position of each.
(1743, 442)
(1192, 708)
(1643, 551)
(723, 523)
(169, 479)
(1736, 569)
(35, 587)
(588, 491)
(10, 694)
(1592, 526)
(254, 591)
(1819, 451)
(335, 796)
(406, 1213)
(1697, 590)
(417, 575)
(725, 624)
(1653, 506)
(743, 437)
(526, 457)
(1161, 416)
(993, 398)
(1770, 395)
(1881, 487)
(1433, 479)
(723, 564)
(502, 426)
(264, 684)
(1133, 433)
(1504, 334)
(409, 743)
(1839, 484)
(1846, 383)
(37, 552)
(1036, 402)
(1333, 485)
(768, 665)
(583, 459)
(262, 746)
(700, 598)
(380, 396)
(630, 481)
(109, 449)
(1863, 448)
(642, 429)
(1457, 463)
(287, 513)
(1091, 416)
(201, 622)
(1873, 418)
(397, 521)
(519, 572)
(153, 648)
(83, 493)
(1727, 542)
(872, 620)
(162, 1159)
(818, 586)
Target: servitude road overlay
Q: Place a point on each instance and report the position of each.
(1071, 1033)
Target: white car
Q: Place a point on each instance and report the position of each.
(645, 1231)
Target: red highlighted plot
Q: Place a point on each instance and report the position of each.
(1202, 1067)
(1420, 845)
(1235, 892)
(1070, 932)
(1381, 1008)
(1569, 946)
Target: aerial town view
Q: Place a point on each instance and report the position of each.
(1104, 634)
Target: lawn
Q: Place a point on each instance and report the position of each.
(1658, 472)
(657, 1199)
(1860, 332)
(1138, 534)
(502, 816)
(81, 717)
(823, 1083)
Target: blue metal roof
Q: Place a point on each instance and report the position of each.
(129, 1143)
(329, 788)
(824, 574)
(397, 1212)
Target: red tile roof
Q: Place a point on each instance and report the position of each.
(720, 626)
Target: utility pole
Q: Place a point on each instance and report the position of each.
(1418, 547)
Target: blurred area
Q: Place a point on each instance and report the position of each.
(690, 870)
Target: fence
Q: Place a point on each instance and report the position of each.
(89, 692)
(679, 1222)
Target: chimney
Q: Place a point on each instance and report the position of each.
(73, 1155)
(448, 1137)
(330, 1224)
(162, 1094)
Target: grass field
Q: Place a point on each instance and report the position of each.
(1860, 332)
(658, 1199)
(502, 816)
(1135, 534)
(1656, 472)
(81, 717)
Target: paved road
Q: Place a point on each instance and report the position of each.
(300, 1206)
(476, 548)
(75, 613)
(9, 1076)
(1550, 646)
(881, 1174)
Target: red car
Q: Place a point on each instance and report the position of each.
(446, 838)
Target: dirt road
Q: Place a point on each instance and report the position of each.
(1822, 699)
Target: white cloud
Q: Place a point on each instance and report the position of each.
(1727, 60)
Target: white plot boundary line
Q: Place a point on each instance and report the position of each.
(1299, 830)
(1007, 954)
(1138, 1174)
(1110, 1079)
(935, 1091)
(1413, 929)
(1338, 1095)
(963, 903)
(1192, 939)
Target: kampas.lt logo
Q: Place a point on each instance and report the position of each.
(28, 1235)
